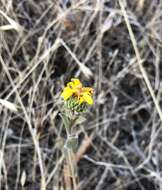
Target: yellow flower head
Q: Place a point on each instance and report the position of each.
(75, 89)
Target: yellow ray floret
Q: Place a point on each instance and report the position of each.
(76, 89)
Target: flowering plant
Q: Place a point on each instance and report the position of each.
(76, 90)
(77, 98)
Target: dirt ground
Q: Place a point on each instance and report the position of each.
(113, 46)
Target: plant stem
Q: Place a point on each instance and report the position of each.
(69, 147)
(72, 168)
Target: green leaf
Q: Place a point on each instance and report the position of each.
(72, 142)
(79, 120)
(65, 120)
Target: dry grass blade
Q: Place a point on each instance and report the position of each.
(139, 60)
(34, 135)
(86, 71)
(23, 178)
(8, 105)
(13, 25)
(87, 142)
(42, 57)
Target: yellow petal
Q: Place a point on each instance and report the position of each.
(81, 99)
(88, 90)
(67, 92)
(70, 85)
(77, 83)
(88, 98)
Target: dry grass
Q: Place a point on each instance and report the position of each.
(114, 46)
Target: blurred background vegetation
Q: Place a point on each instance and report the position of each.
(45, 43)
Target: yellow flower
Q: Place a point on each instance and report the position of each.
(76, 89)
